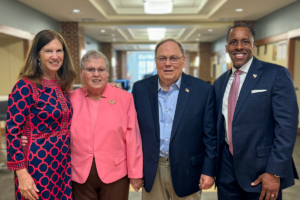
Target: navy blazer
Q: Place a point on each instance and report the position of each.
(264, 126)
(193, 138)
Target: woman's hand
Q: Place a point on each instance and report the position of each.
(137, 183)
(27, 186)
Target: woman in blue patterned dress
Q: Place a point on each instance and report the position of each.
(39, 108)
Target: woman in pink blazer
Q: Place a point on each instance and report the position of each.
(106, 146)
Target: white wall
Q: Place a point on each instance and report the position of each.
(280, 21)
(91, 44)
(20, 16)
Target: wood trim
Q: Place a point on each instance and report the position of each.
(294, 33)
(272, 39)
(26, 45)
(298, 131)
(291, 56)
(16, 32)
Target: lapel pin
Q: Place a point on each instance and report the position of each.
(254, 75)
(111, 102)
(187, 90)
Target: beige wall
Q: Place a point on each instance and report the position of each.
(11, 60)
(268, 57)
(297, 71)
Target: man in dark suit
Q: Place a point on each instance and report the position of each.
(257, 124)
(176, 116)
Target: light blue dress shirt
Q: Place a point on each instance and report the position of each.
(167, 101)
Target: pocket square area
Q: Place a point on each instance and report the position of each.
(256, 91)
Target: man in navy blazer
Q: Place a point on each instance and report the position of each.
(176, 115)
(256, 142)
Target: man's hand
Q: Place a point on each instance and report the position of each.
(26, 185)
(270, 186)
(24, 140)
(206, 182)
(137, 183)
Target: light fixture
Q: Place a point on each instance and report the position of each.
(152, 46)
(76, 11)
(156, 33)
(228, 59)
(114, 39)
(210, 30)
(239, 10)
(197, 39)
(102, 31)
(197, 61)
(113, 61)
(158, 6)
(113, 35)
(83, 51)
(199, 34)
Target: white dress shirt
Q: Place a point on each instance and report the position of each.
(245, 69)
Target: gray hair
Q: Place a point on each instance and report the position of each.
(171, 40)
(93, 54)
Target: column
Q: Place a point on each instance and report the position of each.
(74, 37)
(187, 62)
(121, 67)
(107, 50)
(205, 61)
(193, 65)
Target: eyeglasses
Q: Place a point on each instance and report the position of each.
(173, 59)
(92, 70)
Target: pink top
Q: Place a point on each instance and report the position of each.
(113, 137)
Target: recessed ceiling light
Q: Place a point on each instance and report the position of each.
(156, 33)
(197, 39)
(114, 39)
(199, 34)
(239, 10)
(210, 30)
(76, 11)
(158, 7)
(102, 31)
(113, 35)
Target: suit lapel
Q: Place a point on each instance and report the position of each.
(153, 96)
(249, 83)
(224, 82)
(182, 100)
(220, 102)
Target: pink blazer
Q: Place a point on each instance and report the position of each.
(116, 143)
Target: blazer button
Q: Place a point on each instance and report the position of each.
(156, 160)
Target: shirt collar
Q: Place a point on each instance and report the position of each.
(245, 67)
(105, 93)
(178, 82)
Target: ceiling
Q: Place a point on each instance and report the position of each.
(125, 22)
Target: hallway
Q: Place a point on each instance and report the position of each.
(7, 188)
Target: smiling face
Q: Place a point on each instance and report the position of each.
(94, 81)
(240, 46)
(169, 72)
(51, 57)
